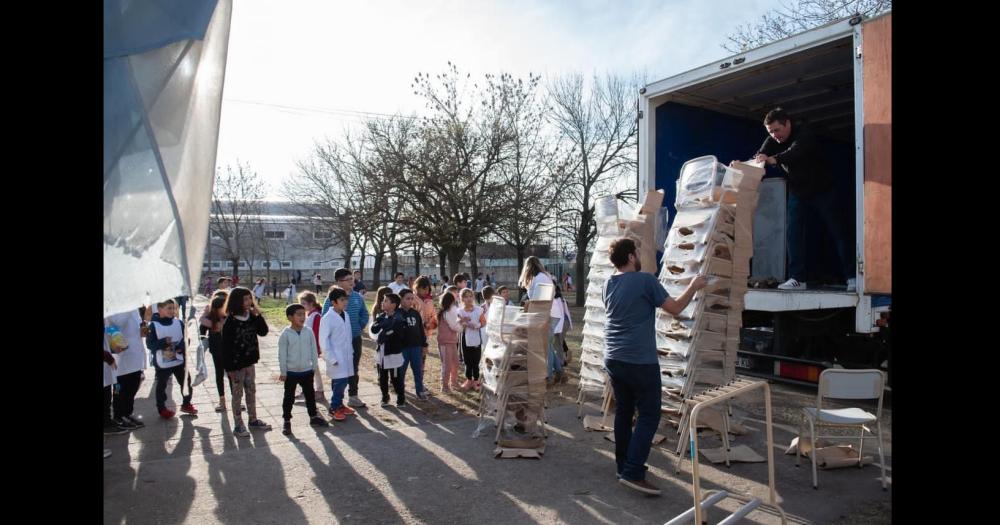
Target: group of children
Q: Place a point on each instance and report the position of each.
(231, 324)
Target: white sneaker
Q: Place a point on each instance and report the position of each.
(852, 285)
(792, 284)
(355, 401)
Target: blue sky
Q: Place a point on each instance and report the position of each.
(299, 70)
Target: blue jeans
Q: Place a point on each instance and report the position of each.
(412, 357)
(555, 362)
(338, 386)
(823, 207)
(635, 387)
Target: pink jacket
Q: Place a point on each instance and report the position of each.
(448, 330)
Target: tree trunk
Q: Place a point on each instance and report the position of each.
(473, 260)
(582, 240)
(581, 284)
(236, 266)
(393, 263)
(348, 249)
(377, 271)
(442, 259)
(361, 263)
(455, 254)
(416, 261)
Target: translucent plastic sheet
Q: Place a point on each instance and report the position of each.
(696, 182)
(595, 315)
(594, 301)
(164, 65)
(508, 376)
(594, 331)
(606, 209)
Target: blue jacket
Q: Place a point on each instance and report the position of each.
(357, 314)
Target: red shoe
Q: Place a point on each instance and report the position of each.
(189, 409)
(166, 413)
(339, 415)
(348, 410)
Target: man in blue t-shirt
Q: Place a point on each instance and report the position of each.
(631, 299)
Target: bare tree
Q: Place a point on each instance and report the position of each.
(450, 160)
(237, 198)
(600, 126)
(343, 197)
(796, 18)
(534, 174)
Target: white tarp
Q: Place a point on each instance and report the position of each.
(164, 66)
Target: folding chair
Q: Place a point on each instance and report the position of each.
(845, 384)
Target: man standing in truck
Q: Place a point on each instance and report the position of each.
(811, 191)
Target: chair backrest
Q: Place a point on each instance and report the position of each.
(839, 383)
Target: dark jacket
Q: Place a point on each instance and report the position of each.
(240, 347)
(390, 331)
(413, 331)
(802, 159)
(153, 341)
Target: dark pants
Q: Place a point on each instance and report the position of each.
(471, 355)
(125, 399)
(318, 288)
(384, 376)
(163, 377)
(182, 306)
(352, 384)
(305, 380)
(825, 209)
(635, 387)
(107, 405)
(274, 291)
(220, 372)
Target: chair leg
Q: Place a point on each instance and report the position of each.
(812, 439)
(861, 446)
(725, 435)
(579, 402)
(881, 458)
(798, 442)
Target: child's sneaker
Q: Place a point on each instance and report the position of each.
(355, 401)
(136, 422)
(348, 410)
(241, 430)
(287, 430)
(125, 423)
(112, 429)
(339, 415)
(318, 421)
(422, 396)
(258, 425)
(189, 409)
(385, 401)
(401, 402)
(166, 413)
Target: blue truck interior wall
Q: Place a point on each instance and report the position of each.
(686, 132)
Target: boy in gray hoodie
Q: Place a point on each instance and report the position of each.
(297, 361)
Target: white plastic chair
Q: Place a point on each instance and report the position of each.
(845, 384)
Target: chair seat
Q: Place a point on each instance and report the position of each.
(842, 416)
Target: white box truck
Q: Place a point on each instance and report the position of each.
(837, 78)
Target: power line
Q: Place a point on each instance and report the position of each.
(329, 111)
